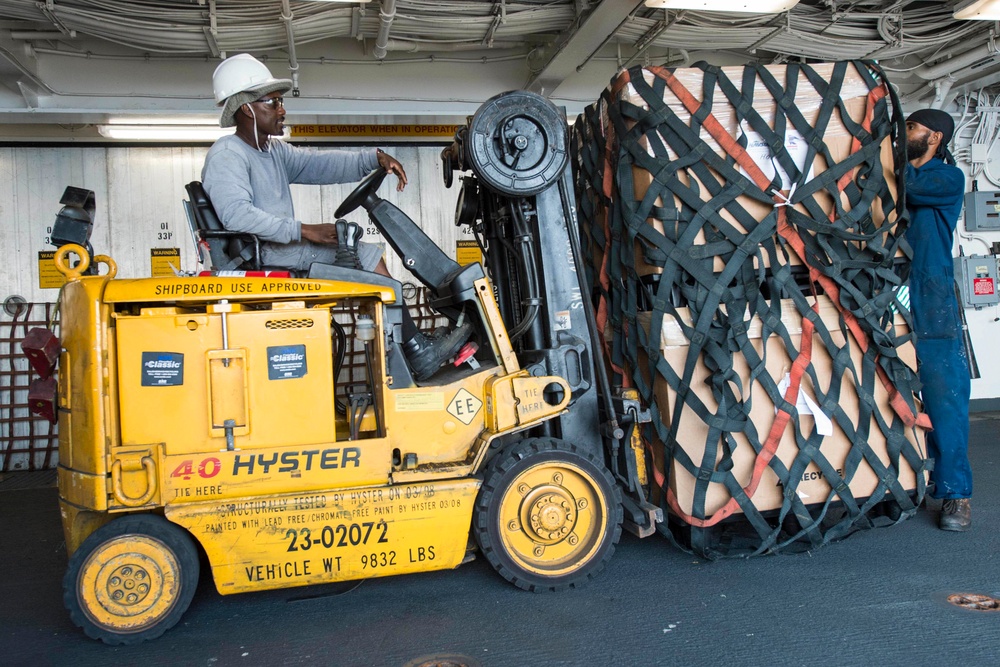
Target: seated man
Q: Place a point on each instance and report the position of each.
(247, 176)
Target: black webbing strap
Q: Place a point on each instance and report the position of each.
(712, 267)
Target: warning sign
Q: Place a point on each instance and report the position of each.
(468, 252)
(983, 286)
(164, 262)
(464, 407)
(49, 276)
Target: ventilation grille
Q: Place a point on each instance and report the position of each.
(289, 324)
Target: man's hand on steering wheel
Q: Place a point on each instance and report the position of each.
(393, 166)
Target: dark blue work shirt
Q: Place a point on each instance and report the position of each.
(934, 194)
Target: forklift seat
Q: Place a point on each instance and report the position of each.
(227, 250)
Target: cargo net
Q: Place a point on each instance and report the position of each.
(743, 231)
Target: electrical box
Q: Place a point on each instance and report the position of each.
(977, 275)
(982, 211)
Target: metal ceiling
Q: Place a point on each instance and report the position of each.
(83, 61)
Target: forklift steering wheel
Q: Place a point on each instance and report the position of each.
(364, 194)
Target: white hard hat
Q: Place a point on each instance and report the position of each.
(244, 72)
(241, 79)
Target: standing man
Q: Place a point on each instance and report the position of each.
(934, 194)
(247, 176)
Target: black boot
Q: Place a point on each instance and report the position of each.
(956, 514)
(425, 355)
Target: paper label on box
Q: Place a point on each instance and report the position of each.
(805, 405)
(761, 154)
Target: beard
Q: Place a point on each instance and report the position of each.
(916, 148)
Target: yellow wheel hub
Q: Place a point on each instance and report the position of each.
(129, 583)
(552, 517)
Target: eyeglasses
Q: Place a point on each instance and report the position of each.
(273, 102)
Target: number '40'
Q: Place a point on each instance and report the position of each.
(207, 468)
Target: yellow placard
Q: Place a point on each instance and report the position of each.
(163, 262)
(49, 276)
(431, 131)
(468, 252)
(423, 401)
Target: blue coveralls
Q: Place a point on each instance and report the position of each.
(934, 194)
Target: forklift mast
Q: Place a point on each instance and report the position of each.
(519, 203)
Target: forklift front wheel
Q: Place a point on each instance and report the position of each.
(548, 515)
(131, 580)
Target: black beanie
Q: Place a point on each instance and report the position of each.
(936, 120)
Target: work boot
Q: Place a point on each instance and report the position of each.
(956, 514)
(425, 354)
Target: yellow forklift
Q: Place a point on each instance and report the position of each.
(209, 415)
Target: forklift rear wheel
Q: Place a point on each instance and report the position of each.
(548, 516)
(131, 580)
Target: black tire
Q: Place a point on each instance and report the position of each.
(548, 515)
(516, 143)
(131, 580)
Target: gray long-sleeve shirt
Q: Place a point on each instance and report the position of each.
(250, 191)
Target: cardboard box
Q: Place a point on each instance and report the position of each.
(808, 100)
(857, 104)
(812, 486)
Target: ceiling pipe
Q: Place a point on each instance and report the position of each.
(941, 90)
(976, 84)
(984, 81)
(647, 40)
(293, 63)
(407, 46)
(41, 34)
(942, 86)
(962, 61)
(916, 95)
(212, 31)
(30, 76)
(672, 59)
(947, 89)
(386, 14)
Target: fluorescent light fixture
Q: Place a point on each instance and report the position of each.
(742, 6)
(978, 10)
(164, 132)
(163, 119)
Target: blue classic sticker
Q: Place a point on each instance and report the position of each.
(162, 369)
(285, 362)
